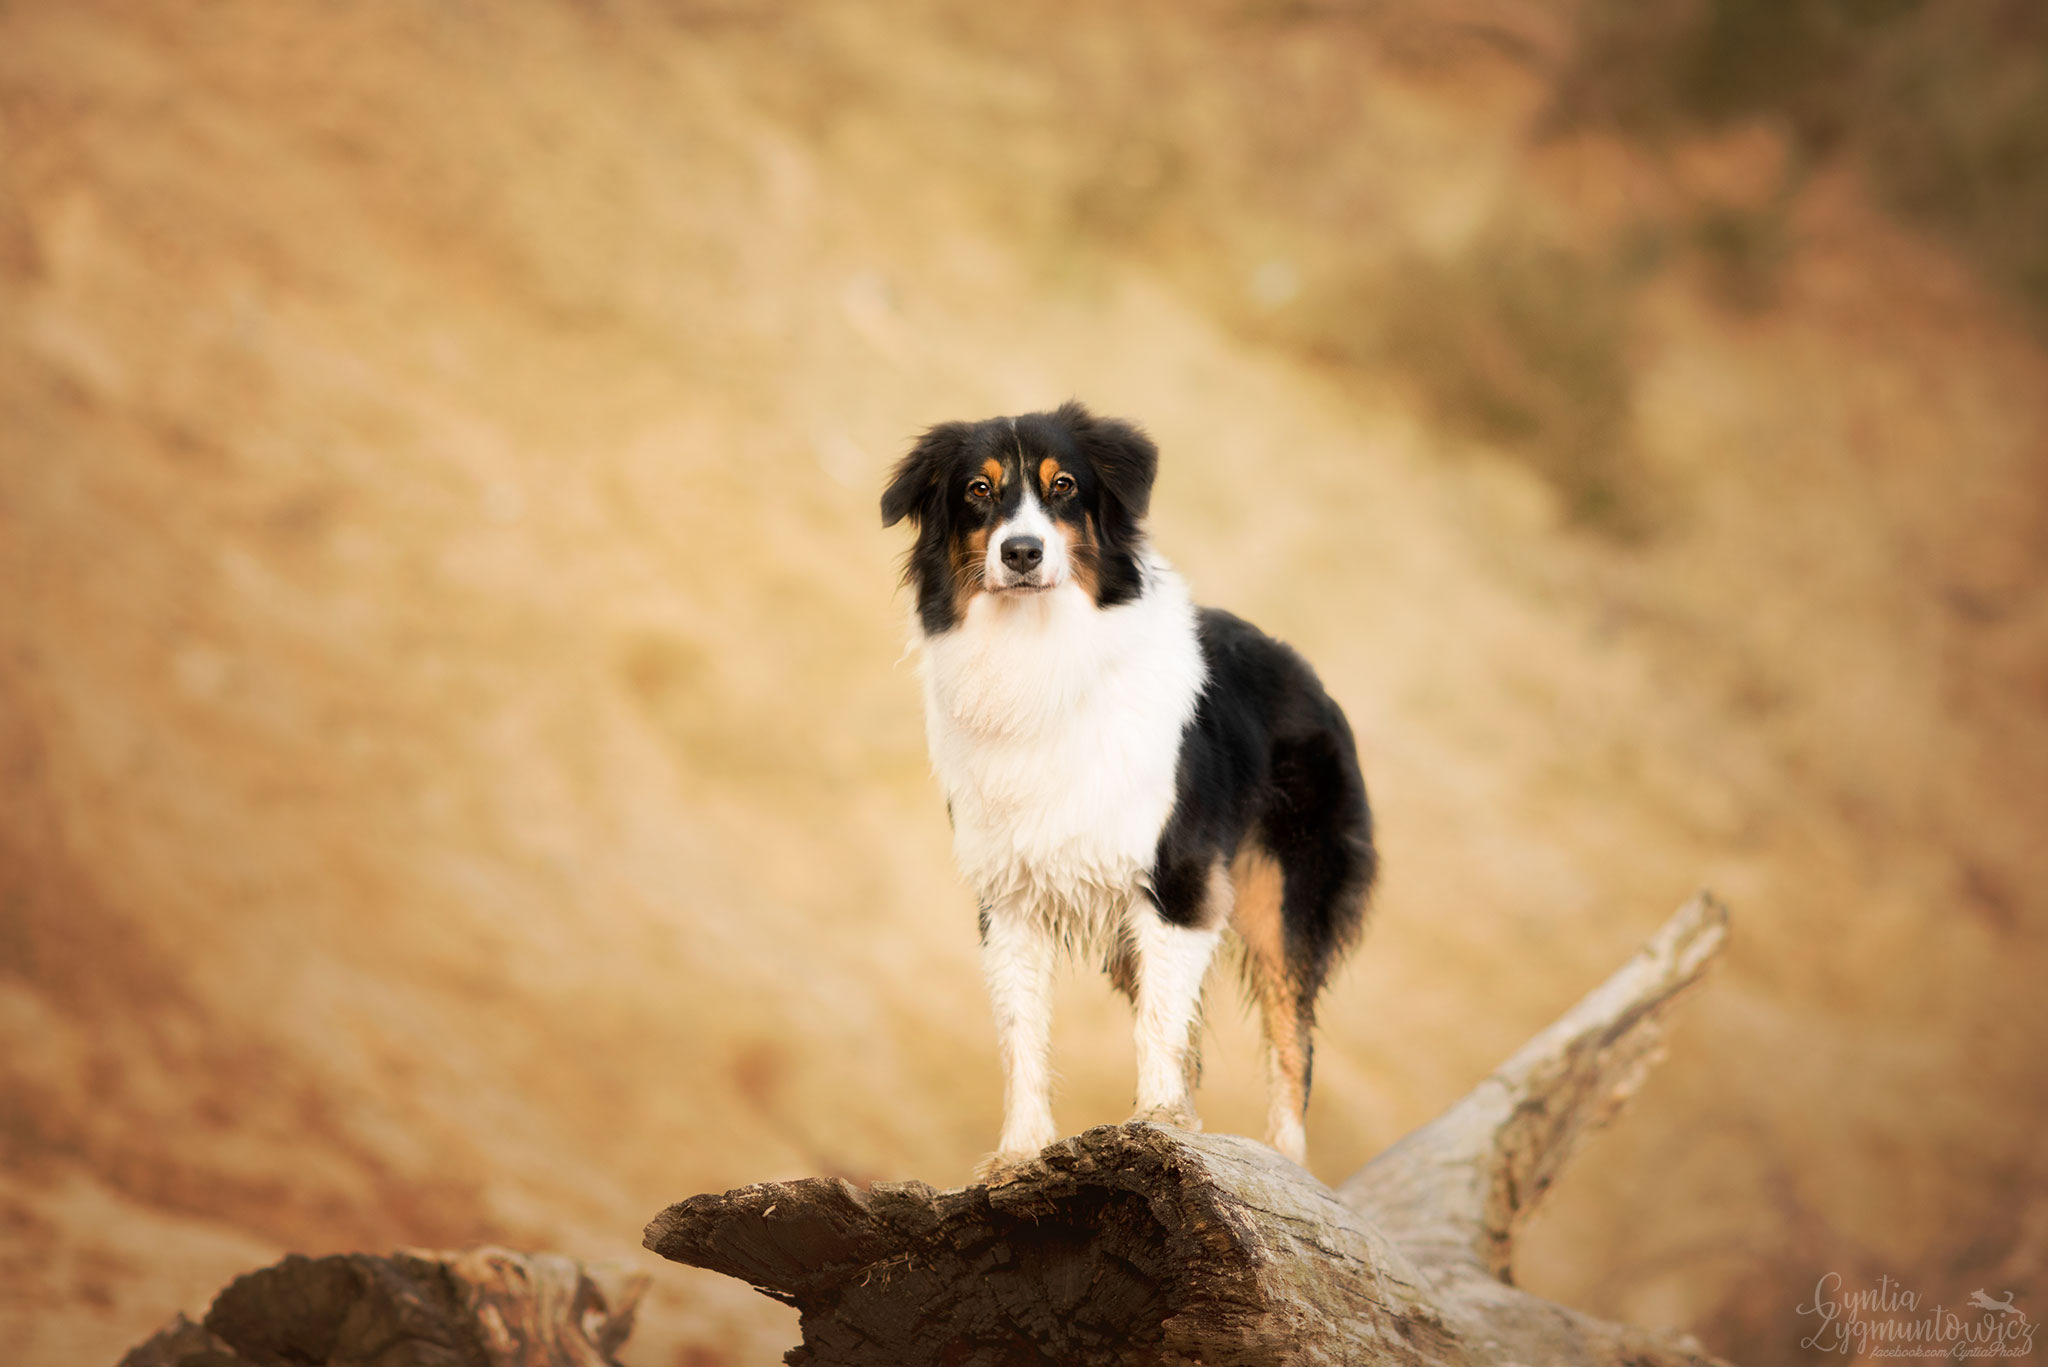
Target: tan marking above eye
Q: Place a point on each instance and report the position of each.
(1048, 472)
(993, 469)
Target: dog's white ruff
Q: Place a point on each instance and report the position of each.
(1055, 729)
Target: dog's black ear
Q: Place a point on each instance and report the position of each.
(1125, 461)
(917, 482)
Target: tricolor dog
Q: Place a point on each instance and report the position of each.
(1127, 774)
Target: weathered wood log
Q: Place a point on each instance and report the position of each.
(486, 1307)
(1143, 1244)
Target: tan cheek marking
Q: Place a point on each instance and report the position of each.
(1048, 469)
(973, 550)
(1083, 555)
(967, 567)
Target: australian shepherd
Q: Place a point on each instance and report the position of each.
(1127, 774)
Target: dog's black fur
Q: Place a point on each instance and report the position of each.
(1269, 758)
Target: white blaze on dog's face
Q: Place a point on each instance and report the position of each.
(1027, 553)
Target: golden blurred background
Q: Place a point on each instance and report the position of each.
(458, 777)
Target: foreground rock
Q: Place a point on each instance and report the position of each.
(1137, 1244)
(484, 1308)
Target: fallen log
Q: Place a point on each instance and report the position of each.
(1144, 1244)
(486, 1307)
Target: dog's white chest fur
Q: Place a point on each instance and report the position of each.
(1055, 728)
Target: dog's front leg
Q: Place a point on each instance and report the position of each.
(1171, 963)
(1016, 959)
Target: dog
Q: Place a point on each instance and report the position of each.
(1127, 775)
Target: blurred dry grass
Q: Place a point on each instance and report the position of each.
(458, 780)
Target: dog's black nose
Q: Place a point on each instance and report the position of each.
(1022, 553)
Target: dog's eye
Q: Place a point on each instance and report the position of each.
(1063, 484)
(979, 489)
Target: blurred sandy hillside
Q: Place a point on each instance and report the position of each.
(457, 780)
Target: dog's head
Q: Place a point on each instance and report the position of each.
(1016, 507)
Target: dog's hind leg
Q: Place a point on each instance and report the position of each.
(1256, 916)
(1290, 1056)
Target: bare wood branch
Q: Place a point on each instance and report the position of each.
(1458, 1188)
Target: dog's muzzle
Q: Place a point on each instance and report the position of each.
(1022, 568)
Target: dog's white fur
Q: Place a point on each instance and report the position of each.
(1055, 730)
(1030, 519)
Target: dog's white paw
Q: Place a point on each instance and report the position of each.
(1179, 1117)
(1291, 1142)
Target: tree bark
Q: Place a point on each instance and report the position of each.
(1143, 1244)
(486, 1307)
